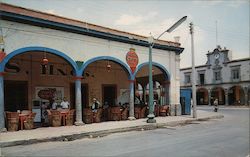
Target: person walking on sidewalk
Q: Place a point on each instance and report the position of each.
(216, 105)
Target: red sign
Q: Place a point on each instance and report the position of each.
(2, 55)
(47, 94)
(132, 59)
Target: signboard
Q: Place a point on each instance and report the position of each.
(49, 93)
(132, 59)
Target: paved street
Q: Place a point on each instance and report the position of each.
(227, 137)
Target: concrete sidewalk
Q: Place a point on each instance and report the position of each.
(96, 129)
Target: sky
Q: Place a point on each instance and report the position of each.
(155, 16)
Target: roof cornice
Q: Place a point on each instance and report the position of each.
(10, 16)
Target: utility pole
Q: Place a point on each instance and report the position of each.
(193, 72)
(216, 34)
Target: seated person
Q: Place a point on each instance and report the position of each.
(54, 105)
(95, 105)
(65, 103)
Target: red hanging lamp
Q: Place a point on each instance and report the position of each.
(45, 61)
(108, 66)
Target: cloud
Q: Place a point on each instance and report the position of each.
(230, 3)
(126, 19)
(237, 3)
(50, 11)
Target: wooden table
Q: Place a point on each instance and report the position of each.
(64, 114)
(22, 118)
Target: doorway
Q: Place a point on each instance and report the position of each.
(15, 95)
(109, 94)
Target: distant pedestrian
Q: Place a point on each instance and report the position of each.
(192, 105)
(216, 103)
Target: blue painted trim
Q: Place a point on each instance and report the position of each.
(80, 30)
(38, 49)
(125, 66)
(161, 67)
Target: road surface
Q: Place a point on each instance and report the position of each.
(227, 137)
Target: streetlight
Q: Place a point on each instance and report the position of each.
(151, 45)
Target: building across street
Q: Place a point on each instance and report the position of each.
(220, 78)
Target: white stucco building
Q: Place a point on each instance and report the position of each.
(83, 61)
(221, 77)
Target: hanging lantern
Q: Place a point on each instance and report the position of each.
(45, 61)
(108, 67)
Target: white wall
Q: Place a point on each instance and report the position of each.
(83, 48)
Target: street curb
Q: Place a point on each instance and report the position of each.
(102, 133)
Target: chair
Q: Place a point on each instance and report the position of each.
(70, 117)
(12, 120)
(106, 114)
(97, 115)
(56, 118)
(143, 111)
(49, 117)
(87, 116)
(137, 112)
(29, 122)
(163, 110)
(124, 114)
(115, 113)
(156, 110)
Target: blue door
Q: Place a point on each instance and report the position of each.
(185, 101)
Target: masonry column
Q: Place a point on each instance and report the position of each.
(2, 119)
(166, 87)
(131, 100)
(78, 97)
(226, 97)
(209, 96)
(246, 95)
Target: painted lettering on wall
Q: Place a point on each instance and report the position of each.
(12, 67)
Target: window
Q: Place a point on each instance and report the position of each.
(202, 79)
(217, 76)
(235, 74)
(187, 78)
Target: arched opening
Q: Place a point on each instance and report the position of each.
(218, 93)
(108, 81)
(35, 78)
(236, 96)
(160, 88)
(202, 96)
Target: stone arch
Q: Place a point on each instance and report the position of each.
(121, 63)
(38, 49)
(202, 96)
(218, 93)
(161, 67)
(236, 95)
